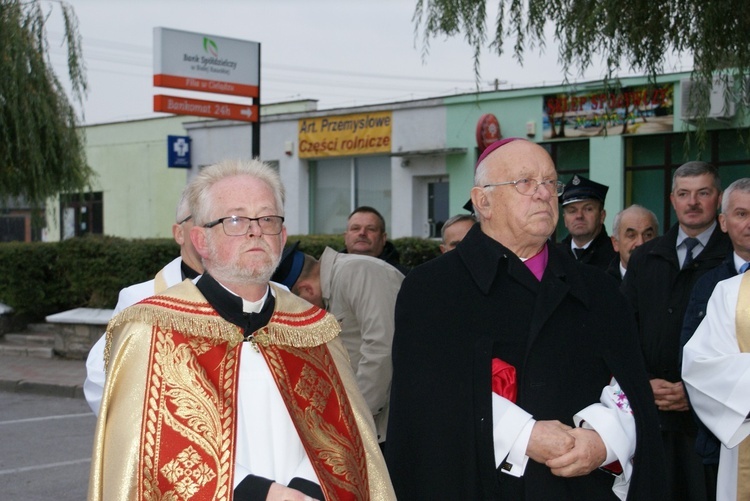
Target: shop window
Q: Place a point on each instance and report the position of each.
(339, 185)
(14, 228)
(650, 162)
(437, 206)
(81, 214)
(570, 158)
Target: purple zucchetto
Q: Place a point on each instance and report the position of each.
(487, 152)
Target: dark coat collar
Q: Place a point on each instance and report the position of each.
(666, 246)
(485, 257)
(600, 239)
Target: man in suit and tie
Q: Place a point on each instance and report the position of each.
(661, 275)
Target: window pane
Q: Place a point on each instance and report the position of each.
(644, 150)
(331, 181)
(732, 145)
(646, 188)
(81, 213)
(573, 156)
(437, 206)
(374, 185)
(732, 173)
(569, 157)
(682, 152)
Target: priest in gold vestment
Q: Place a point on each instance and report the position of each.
(231, 387)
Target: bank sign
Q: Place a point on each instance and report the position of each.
(206, 63)
(345, 135)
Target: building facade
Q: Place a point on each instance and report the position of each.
(413, 161)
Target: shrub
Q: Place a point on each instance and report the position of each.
(31, 282)
(413, 251)
(42, 278)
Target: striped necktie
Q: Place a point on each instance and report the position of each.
(690, 244)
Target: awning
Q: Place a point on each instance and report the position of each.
(439, 152)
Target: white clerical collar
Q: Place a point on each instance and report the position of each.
(250, 306)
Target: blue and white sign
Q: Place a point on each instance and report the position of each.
(178, 151)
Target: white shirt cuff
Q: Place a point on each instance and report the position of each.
(511, 431)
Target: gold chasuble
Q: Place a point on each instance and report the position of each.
(742, 325)
(167, 429)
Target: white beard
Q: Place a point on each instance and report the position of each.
(260, 273)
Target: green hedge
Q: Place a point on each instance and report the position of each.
(44, 278)
(412, 251)
(39, 279)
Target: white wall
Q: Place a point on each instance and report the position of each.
(140, 193)
(294, 172)
(213, 142)
(415, 129)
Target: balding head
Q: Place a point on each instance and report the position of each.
(521, 214)
(632, 227)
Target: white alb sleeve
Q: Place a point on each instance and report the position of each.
(612, 418)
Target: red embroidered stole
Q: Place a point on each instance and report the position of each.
(316, 399)
(189, 428)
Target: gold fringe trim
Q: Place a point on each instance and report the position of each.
(189, 323)
(294, 322)
(314, 334)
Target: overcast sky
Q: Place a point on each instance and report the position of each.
(340, 52)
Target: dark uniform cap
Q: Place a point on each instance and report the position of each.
(579, 188)
(290, 266)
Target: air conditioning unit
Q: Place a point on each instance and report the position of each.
(720, 109)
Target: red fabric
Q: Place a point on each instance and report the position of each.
(504, 379)
(319, 406)
(614, 467)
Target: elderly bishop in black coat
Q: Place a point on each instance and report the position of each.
(516, 371)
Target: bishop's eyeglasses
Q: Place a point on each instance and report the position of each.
(528, 187)
(236, 226)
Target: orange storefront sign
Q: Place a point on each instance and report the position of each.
(202, 85)
(345, 135)
(200, 108)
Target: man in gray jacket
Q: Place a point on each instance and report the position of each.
(360, 291)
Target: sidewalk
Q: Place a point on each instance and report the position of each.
(43, 376)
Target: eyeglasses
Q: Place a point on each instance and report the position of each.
(528, 187)
(186, 219)
(236, 226)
